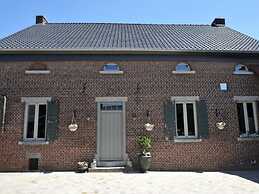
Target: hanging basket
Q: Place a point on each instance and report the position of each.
(149, 127)
(221, 125)
(73, 126)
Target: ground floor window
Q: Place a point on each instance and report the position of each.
(35, 120)
(186, 121)
(247, 117)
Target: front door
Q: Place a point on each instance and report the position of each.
(111, 131)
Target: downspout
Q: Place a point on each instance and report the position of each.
(3, 118)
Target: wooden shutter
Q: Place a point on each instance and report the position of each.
(169, 117)
(53, 120)
(202, 117)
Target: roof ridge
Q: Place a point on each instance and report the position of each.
(122, 23)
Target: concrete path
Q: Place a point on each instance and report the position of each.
(121, 183)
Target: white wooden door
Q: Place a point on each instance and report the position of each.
(111, 123)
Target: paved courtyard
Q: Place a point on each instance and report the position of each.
(121, 183)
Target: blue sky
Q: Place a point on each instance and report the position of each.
(240, 15)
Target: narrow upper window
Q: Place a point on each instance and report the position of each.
(111, 68)
(183, 68)
(241, 69)
(247, 118)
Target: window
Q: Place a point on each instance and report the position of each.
(183, 68)
(241, 69)
(186, 121)
(37, 68)
(111, 106)
(35, 122)
(247, 118)
(111, 68)
(33, 164)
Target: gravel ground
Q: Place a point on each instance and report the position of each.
(244, 182)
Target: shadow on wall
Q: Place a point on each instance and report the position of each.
(252, 175)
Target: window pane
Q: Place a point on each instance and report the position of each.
(190, 119)
(30, 121)
(241, 118)
(111, 67)
(111, 106)
(182, 67)
(240, 67)
(250, 114)
(42, 121)
(180, 119)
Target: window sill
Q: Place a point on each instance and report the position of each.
(111, 72)
(243, 73)
(183, 72)
(186, 140)
(37, 72)
(33, 142)
(248, 138)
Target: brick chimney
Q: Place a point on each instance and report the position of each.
(41, 19)
(218, 22)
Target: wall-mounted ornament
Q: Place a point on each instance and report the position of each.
(221, 125)
(73, 126)
(149, 127)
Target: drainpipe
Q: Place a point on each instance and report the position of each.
(3, 118)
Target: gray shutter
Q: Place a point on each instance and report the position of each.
(1, 110)
(169, 117)
(53, 120)
(257, 112)
(202, 117)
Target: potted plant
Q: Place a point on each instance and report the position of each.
(145, 156)
(82, 166)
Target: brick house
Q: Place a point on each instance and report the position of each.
(197, 84)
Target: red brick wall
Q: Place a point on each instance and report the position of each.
(147, 84)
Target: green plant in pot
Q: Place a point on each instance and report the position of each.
(145, 156)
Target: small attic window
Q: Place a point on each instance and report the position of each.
(242, 69)
(111, 68)
(37, 68)
(183, 68)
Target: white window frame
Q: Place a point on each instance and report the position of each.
(37, 71)
(246, 118)
(184, 101)
(34, 101)
(111, 71)
(242, 72)
(190, 71)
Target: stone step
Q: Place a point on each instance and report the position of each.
(113, 163)
(107, 169)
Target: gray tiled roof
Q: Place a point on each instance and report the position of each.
(112, 36)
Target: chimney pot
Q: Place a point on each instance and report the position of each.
(218, 22)
(41, 19)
